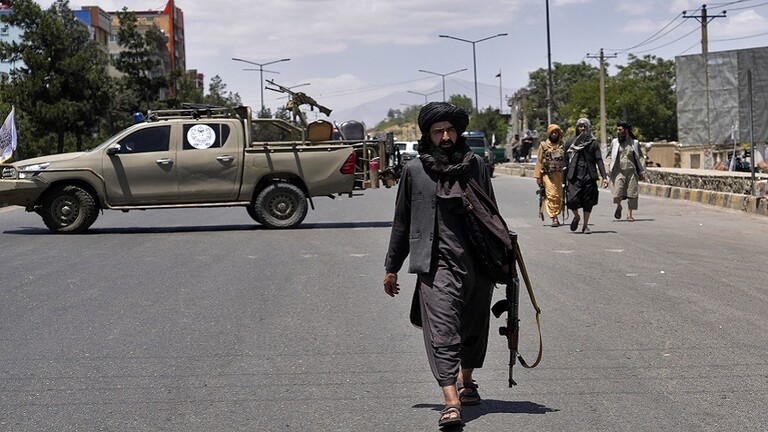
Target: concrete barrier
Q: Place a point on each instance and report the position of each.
(725, 199)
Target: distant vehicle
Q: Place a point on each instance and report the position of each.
(499, 154)
(479, 145)
(408, 150)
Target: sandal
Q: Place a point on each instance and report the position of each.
(575, 223)
(450, 416)
(468, 394)
(630, 219)
(617, 213)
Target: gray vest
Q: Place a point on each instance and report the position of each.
(423, 198)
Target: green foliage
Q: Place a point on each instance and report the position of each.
(60, 83)
(141, 60)
(396, 117)
(63, 96)
(462, 101)
(642, 92)
(491, 123)
(219, 96)
(564, 77)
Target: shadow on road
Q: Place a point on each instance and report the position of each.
(206, 228)
(493, 406)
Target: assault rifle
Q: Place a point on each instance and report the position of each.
(542, 193)
(510, 305)
(296, 99)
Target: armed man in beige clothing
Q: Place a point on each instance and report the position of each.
(549, 171)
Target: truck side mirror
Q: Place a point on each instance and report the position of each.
(113, 149)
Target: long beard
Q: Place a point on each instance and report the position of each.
(445, 157)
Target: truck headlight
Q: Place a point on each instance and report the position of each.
(29, 171)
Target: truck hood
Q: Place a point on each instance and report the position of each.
(49, 158)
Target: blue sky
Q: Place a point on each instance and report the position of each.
(356, 52)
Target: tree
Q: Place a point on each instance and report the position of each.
(643, 93)
(219, 96)
(141, 60)
(491, 123)
(463, 102)
(564, 77)
(60, 83)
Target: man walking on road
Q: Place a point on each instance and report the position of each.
(627, 168)
(583, 160)
(452, 295)
(548, 171)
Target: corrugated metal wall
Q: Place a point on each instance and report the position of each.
(728, 104)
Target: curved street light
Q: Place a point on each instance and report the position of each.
(443, 76)
(474, 58)
(423, 94)
(261, 73)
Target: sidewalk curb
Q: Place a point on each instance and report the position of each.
(746, 203)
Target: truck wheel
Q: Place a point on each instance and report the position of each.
(68, 209)
(280, 205)
(252, 213)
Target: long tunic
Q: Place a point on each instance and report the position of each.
(453, 298)
(582, 176)
(549, 167)
(625, 182)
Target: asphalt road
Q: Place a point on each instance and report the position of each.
(200, 320)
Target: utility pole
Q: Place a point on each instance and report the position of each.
(550, 102)
(603, 132)
(705, 19)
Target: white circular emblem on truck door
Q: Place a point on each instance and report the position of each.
(201, 136)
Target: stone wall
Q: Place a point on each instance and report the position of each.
(717, 183)
(724, 189)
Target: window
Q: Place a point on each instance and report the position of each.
(273, 131)
(205, 135)
(151, 139)
(695, 161)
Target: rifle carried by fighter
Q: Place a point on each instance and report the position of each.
(296, 99)
(510, 305)
(542, 193)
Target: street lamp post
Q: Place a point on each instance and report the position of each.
(474, 59)
(261, 74)
(424, 94)
(443, 76)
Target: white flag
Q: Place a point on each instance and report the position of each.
(8, 138)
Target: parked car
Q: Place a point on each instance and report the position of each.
(408, 150)
(479, 145)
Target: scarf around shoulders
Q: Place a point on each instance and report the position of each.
(463, 193)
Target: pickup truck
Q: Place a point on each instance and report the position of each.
(209, 157)
(479, 145)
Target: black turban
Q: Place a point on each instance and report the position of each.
(434, 112)
(628, 127)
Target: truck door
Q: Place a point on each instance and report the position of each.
(144, 169)
(209, 160)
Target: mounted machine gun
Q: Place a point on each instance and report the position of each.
(296, 99)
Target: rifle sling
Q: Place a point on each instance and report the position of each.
(529, 287)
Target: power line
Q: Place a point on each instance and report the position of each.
(667, 44)
(747, 7)
(740, 37)
(649, 39)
